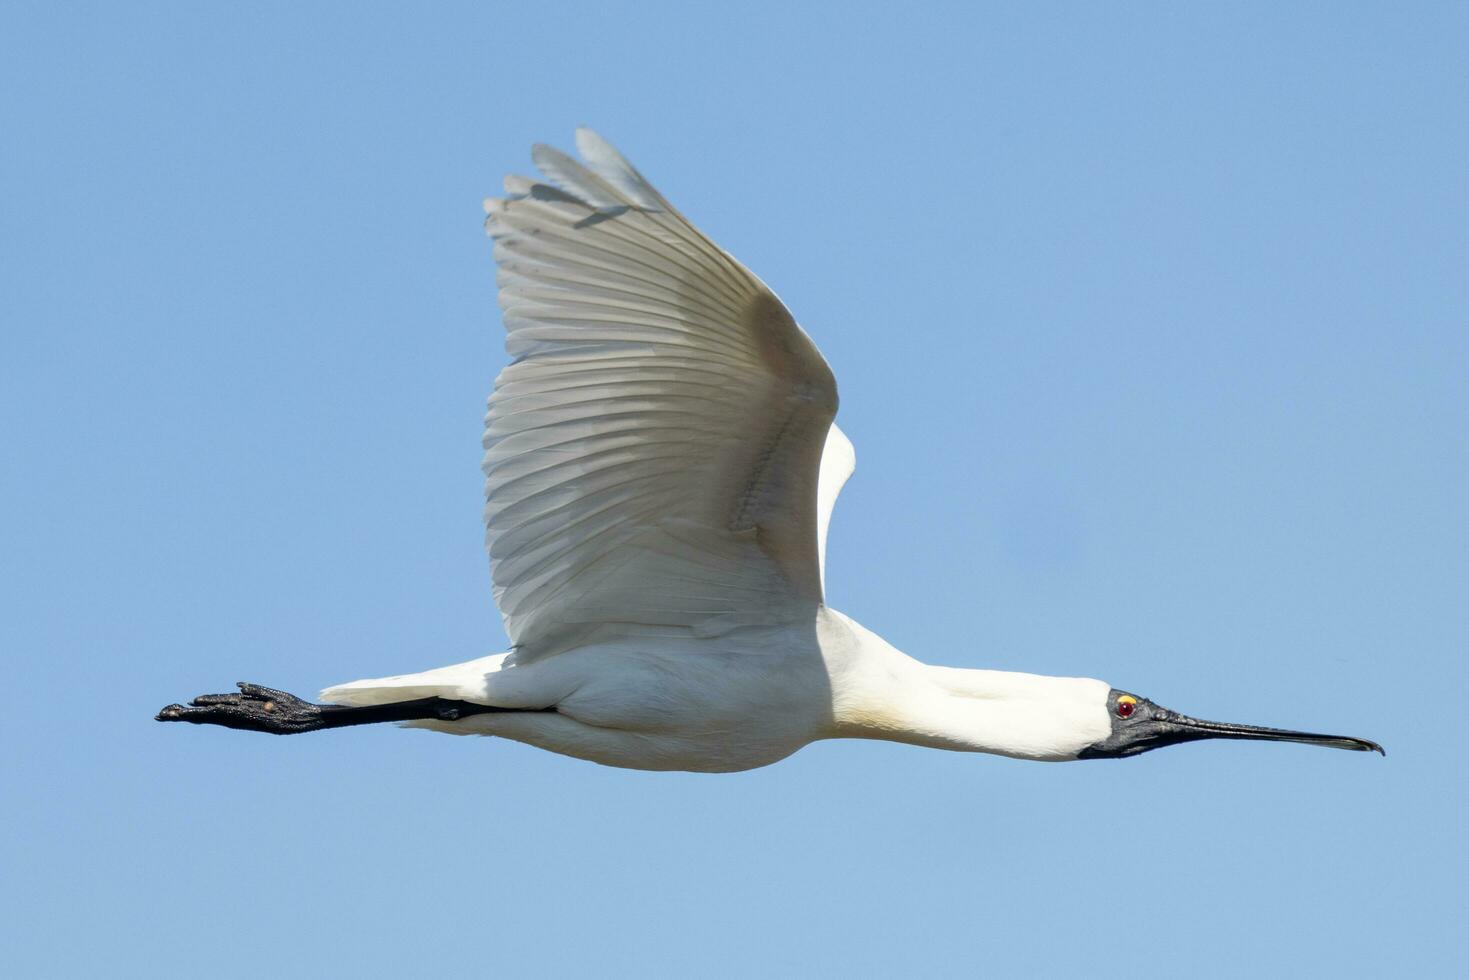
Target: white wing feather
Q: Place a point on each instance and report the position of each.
(654, 451)
(838, 461)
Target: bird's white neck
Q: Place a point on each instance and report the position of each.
(880, 692)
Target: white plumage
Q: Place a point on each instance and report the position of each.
(661, 466)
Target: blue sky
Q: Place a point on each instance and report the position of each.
(1150, 327)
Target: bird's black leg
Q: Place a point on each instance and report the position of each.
(263, 709)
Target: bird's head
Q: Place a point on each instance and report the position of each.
(1139, 725)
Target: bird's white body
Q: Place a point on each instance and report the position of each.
(647, 700)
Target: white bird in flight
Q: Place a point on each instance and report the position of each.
(661, 464)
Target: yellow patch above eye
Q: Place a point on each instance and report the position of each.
(1126, 699)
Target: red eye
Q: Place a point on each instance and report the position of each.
(1124, 707)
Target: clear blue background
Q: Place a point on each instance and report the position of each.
(1152, 330)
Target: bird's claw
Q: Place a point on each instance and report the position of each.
(254, 709)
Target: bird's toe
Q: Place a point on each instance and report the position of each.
(268, 695)
(208, 700)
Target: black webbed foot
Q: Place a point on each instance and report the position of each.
(254, 709)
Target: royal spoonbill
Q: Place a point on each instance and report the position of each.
(661, 465)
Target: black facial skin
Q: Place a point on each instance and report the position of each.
(1152, 727)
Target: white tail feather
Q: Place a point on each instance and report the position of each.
(459, 682)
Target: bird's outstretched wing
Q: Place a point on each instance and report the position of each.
(654, 450)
